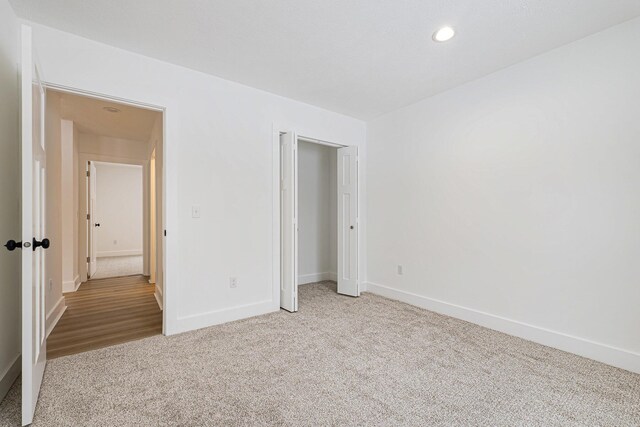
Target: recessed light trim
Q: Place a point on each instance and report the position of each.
(443, 34)
(111, 109)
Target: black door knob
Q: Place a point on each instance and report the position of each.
(97, 224)
(44, 243)
(12, 245)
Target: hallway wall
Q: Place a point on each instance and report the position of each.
(54, 300)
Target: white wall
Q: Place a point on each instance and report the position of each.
(515, 198)
(69, 198)
(9, 194)
(219, 137)
(54, 300)
(119, 205)
(317, 253)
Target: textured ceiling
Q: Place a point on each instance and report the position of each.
(89, 116)
(358, 57)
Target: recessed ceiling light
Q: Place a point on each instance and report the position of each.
(111, 109)
(444, 34)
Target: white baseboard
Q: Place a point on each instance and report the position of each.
(158, 295)
(9, 376)
(211, 318)
(55, 314)
(126, 252)
(71, 285)
(316, 277)
(593, 350)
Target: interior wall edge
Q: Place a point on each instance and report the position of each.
(600, 352)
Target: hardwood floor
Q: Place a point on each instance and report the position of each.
(105, 312)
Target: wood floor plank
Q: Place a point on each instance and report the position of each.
(106, 312)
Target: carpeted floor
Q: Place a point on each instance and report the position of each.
(118, 266)
(338, 361)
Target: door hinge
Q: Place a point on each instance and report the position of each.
(165, 233)
(88, 216)
(88, 173)
(88, 259)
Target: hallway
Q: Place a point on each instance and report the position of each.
(105, 312)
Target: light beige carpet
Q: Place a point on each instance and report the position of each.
(118, 266)
(339, 361)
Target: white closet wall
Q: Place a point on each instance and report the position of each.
(317, 213)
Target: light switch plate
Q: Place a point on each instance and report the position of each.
(195, 211)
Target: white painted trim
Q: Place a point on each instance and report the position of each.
(158, 294)
(316, 277)
(124, 252)
(55, 314)
(95, 95)
(9, 376)
(216, 317)
(71, 285)
(593, 350)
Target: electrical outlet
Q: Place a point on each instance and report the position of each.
(115, 242)
(233, 282)
(400, 270)
(195, 211)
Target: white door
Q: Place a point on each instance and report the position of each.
(92, 223)
(34, 344)
(289, 222)
(347, 166)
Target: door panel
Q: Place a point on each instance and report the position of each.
(348, 227)
(92, 230)
(33, 162)
(288, 222)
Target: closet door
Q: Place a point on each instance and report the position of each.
(348, 221)
(289, 222)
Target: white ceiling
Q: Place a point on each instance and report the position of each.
(89, 116)
(358, 57)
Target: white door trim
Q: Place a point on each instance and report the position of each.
(169, 250)
(278, 130)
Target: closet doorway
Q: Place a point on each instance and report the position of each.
(318, 212)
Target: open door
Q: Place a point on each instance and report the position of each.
(347, 166)
(289, 222)
(34, 241)
(92, 238)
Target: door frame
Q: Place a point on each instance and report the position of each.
(84, 224)
(167, 247)
(278, 130)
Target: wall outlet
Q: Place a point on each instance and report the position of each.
(115, 242)
(195, 211)
(233, 282)
(400, 271)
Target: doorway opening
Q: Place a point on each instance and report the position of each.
(116, 222)
(104, 203)
(318, 216)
